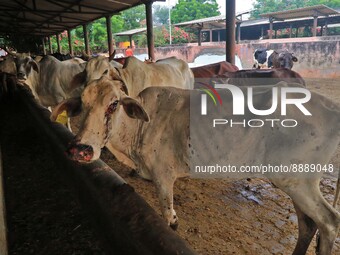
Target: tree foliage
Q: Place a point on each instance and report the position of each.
(160, 15)
(186, 10)
(265, 6)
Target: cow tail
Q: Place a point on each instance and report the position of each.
(337, 191)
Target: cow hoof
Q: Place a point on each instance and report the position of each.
(174, 226)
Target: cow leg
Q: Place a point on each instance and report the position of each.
(306, 195)
(165, 196)
(307, 229)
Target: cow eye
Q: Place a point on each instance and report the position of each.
(106, 71)
(112, 107)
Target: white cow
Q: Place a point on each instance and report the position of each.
(137, 75)
(151, 133)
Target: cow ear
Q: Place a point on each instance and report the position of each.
(295, 59)
(34, 66)
(78, 80)
(133, 109)
(72, 106)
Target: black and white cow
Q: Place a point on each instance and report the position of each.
(261, 58)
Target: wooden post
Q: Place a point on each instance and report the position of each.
(315, 25)
(43, 45)
(109, 34)
(50, 45)
(230, 31)
(3, 229)
(271, 27)
(70, 46)
(149, 27)
(86, 40)
(58, 43)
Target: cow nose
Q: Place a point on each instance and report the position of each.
(21, 76)
(80, 152)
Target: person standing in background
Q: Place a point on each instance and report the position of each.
(129, 52)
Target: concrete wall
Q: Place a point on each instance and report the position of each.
(319, 57)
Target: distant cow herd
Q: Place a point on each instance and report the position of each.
(140, 112)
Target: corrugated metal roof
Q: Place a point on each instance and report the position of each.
(317, 10)
(48, 17)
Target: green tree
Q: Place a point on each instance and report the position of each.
(265, 6)
(134, 17)
(161, 15)
(186, 10)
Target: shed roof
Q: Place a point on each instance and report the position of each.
(48, 17)
(310, 11)
(131, 32)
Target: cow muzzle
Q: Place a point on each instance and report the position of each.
(80, 152)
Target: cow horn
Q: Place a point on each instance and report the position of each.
(112, 56)
(13, 53)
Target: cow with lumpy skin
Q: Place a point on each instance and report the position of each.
(151, 133)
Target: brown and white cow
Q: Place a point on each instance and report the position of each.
(151, 132)
(137, 75)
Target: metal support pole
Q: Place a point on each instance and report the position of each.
(297, 32)
(325, 31)
(43, 45)
(86, 40)
(219, 35)
(58, 43)
(210, 35)
(199, 38)
(315, 25)
(109, 34)
(130, 40)
(149, 27)
(50, 45)
(271, 28)
(290, 30)
(230, 31)
(70, 47)
(238, 32)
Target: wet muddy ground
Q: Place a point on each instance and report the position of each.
(215, 216)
